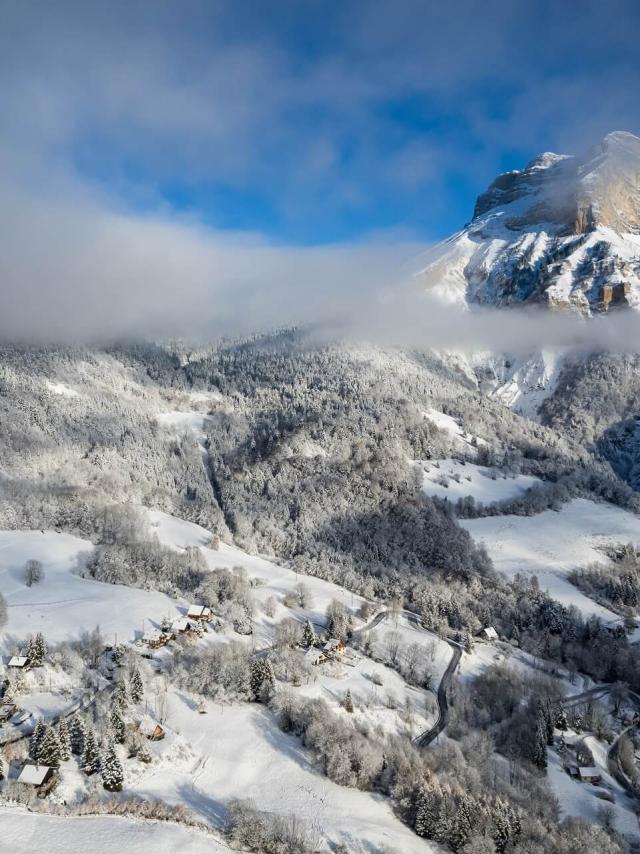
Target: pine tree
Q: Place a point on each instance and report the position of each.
(49, 752)
(112, 773)
(77, 735)
(136, 688)
(549, 713)
(262, 680)
(561, 719)
(427, 811)
(539, 756)
(119, 697)
(467, 642)
(90, 756)
(35, 741)
(117, 725)
(37, 650)
(65, 740)
(348, 702)
(309, 638)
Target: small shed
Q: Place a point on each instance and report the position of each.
(489, 633)
(199, 612)
(7, 710)
(151, 730)
(589, 774)
(35, 775)
(315, 656)
(20, 661)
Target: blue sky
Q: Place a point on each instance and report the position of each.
(315, 122)
(214, 166)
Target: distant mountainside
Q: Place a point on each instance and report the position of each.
(563, 232)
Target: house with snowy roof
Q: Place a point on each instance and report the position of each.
(334, 646)
(199, 612)
(19, 661)
(36, 775)
(151, 729)
(155, 639)
(315, 656)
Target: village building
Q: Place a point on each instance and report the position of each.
(181, 625)
(315, 656)
(199, 612)
(19, 661)
(156, 639)
(589, 774)
(21, 717)
(36, 775)
(7, 710)
(334, 646)
(489, 633)
(151, 730)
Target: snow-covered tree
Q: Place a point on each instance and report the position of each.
(112, 773)
(262, 680)
(348, 701)
(49, 750)
(90, 755)
(64, 739)
(136, 688)
(309, 638)
(77, 731)
(33, 572)
(119, 697)
(35, 741)
(37, 650)
(118, 726)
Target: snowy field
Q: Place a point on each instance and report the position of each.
(26, 833)
(553, 543)
(454, 479)
(64, 605)
(240, 752)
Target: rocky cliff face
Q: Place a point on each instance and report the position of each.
(563, 232)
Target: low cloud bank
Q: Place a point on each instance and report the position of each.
(80, 271)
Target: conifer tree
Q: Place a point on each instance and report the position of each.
(427, 812)
(309, 638)
(112, 773)
(37, 650)
(119, 697)
(117, 725)
(76, 734)
(64, 739)
(90, 755)
(36, 739)
(348, 701)
(136, 688)
(262, 680)
(539, 756)
(49, 751)
(561, 718)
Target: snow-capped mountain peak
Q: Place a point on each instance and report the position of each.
(564, 231)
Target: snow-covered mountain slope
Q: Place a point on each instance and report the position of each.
(562, 232)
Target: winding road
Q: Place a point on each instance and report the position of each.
(425, 738)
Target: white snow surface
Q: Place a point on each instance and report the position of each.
(454, 479)
(553, 543)
(64, 605)
(28, 833)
